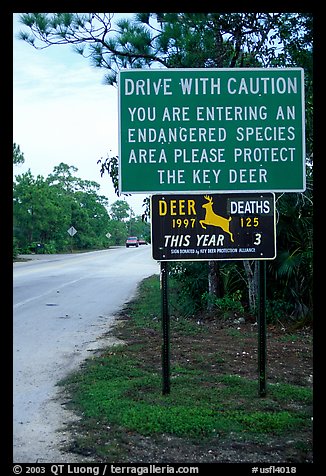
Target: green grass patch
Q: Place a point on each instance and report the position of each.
(115, 389)
(122, 389)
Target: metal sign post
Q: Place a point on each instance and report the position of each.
(262, 330)
(207, 130)
(166, 330)
(72, 231)
(214, 227)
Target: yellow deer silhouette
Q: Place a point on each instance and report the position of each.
(215, 220)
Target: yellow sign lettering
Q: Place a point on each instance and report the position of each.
(176, 207)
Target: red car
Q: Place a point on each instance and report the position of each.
(132, 241)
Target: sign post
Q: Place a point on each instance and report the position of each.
(214, 227)
(71, 231)
(212, 131)
(166, 329)
(262, 329)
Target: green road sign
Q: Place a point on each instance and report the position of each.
(205, 130)
(206, 227)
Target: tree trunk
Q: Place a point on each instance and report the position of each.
(215, 285)
(252, 274)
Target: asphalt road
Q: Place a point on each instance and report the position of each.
(63, 307)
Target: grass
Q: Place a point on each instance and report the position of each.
(121, 389)
(117, 390)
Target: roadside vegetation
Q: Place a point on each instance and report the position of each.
(44, 208)
(214, 403)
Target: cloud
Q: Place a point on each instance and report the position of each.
(62, 112)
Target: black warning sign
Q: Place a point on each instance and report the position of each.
(213, 227)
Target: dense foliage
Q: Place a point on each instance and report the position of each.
(45, 208)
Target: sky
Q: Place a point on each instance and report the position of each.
(62, 112)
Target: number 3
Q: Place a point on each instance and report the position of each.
(258, 239)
